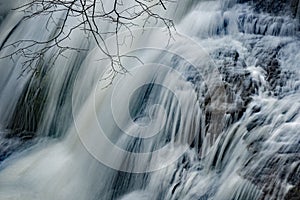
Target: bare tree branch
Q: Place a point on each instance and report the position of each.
(88, 14)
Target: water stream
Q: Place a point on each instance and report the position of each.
(209, 114)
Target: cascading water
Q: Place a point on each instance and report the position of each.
(210, 113)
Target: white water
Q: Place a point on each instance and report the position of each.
(185, 142)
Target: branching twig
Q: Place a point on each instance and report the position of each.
(88, 14)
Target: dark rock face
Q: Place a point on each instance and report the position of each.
(273, 166)
(274, 169)
(267, 60)
(262, 24)
(267, 171)
(294, 179)
(12, 142)
(273, 172)
(294, 193)
(236, 80)
(276, 7)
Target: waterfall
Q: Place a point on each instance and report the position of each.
(209, 112)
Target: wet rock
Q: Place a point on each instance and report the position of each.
(237, 79)
(268, 58)
(294, 193)
(13, 142)
(252, 20)
(272, 171)
(290, 149)
(275, 7)
(255, 123)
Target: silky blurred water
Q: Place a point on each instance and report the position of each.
(212, 113)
